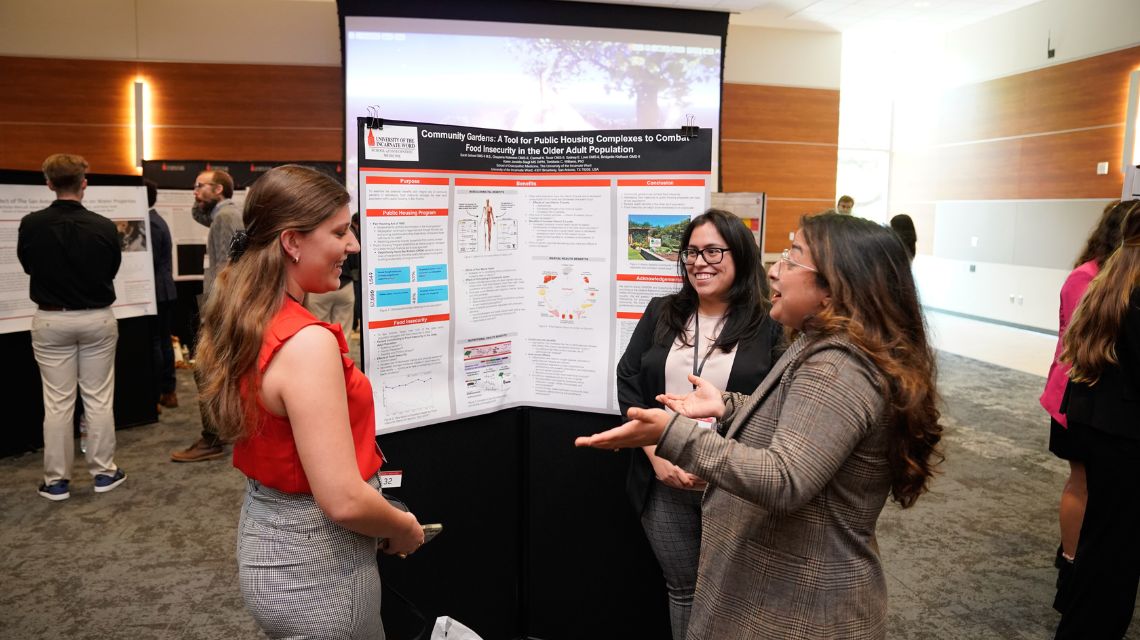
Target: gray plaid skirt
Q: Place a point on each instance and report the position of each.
(302, 575)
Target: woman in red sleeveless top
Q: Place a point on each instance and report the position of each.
(278, 382)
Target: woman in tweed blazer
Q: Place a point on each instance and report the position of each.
(845, 418)
(723, 294)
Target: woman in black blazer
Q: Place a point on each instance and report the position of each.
(717, 324)
(1102, 406)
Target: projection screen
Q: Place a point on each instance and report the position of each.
(528, 76)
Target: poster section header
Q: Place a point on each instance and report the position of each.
(407, 146)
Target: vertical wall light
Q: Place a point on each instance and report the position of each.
(1131, 154)
(140, 123)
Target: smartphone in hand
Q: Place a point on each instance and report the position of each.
(430, 531)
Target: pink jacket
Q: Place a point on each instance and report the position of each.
(1071, 293)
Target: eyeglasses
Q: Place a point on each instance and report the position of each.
(712, 255)
(199, 185)
(786, 256)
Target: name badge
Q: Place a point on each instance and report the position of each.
(391, 479)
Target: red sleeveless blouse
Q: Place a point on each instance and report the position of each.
(270, 454)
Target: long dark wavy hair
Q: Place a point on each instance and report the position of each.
(874, 302)
(1105, 238)
(1090, 341)
(748, 302)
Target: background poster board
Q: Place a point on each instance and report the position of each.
(175, 180)
(505, 268)
(122, 199)
(750, 206)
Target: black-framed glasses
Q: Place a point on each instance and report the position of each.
(712, 255)
(786, 256)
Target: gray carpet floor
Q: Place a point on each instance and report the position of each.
(973, 559)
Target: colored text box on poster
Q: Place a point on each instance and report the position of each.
(393, 275)
(432, 294)
(393, 297)
(430, 272)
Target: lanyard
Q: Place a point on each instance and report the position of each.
(696, 347)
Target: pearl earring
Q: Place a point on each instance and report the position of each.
(296, 259)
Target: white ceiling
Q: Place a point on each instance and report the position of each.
(848, 15)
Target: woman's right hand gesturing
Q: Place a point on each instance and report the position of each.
(704, 402)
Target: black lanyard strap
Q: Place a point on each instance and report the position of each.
(696, 347)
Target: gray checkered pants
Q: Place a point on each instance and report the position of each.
(672, 523)
(301, 574)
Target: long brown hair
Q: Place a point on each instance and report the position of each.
(1105, 237)
(875, 303)
(251, 289)
(1090, 341)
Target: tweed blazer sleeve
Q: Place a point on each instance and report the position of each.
(790, 438)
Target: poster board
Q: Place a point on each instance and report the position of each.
(175, 180)
(505, 268)
(750, 206)
(122, 199)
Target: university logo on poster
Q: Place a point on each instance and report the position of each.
(391, 143)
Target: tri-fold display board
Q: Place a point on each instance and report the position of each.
(509, 268)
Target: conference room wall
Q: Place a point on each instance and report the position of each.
(1003, 185)
(221, 89)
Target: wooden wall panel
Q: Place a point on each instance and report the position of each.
(1034, 135)
(257, 112)
(1084, 93)
(74, 91)
(106, 148)
(1064, 166)
(761, 112)
(1061, 166)
(781, 170)
(976, 171)
(784, 218)
(981, 111)
(782, 141)
(246, 95)
(279, 145)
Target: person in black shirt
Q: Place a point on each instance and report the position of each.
(72, 256)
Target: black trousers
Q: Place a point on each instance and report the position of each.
(163, 349)
(1097, 600)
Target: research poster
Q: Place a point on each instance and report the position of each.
(506, 268)
(123, 205)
